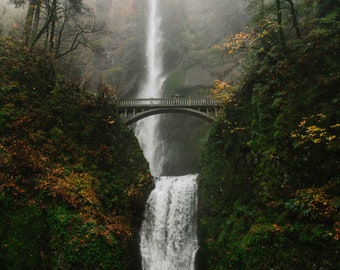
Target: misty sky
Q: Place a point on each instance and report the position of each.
(9, 15)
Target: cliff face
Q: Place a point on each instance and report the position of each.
(117, 56)
(191, 31)
(191, 38)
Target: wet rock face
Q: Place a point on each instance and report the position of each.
(190, 29)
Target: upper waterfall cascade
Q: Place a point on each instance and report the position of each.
(147, 130)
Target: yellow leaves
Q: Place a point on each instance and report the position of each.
(76, 189)
(335, 126)
(277, 228)
(337, 231)
(331, 138)
(237, 129)
(266, 230)
(315, 203)
(320, 116)
(21, 159)
(118, 225)
(262, 34)
(109, 120)
(255, 36)
(79, 191)
(233, 127)
(222, 91)
(133, 191)
(10, 183)
(310, 130)
(238, 41)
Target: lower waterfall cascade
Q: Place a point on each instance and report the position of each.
(169, 230)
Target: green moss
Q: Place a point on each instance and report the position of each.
(174, 81)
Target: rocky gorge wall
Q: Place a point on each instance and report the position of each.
(192, 31)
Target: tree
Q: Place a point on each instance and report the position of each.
(324, 7)
(29, 22)
(282, 39)
(294, 18)
(69, 171)
(57, 26)
(275, 149)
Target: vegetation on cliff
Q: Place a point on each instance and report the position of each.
(72, 178)
(269, 185)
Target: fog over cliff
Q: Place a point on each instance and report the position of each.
(191, 29)
(10, 17)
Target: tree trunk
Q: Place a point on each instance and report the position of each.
(36, 20)
(28, 22)
(294, 18)
(53, 24)
(282, 40)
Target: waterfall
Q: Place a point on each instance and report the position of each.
(147, 129)
(168, 233)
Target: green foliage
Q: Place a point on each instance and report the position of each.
(78, 245)
(70, 172)
(174, 82)
(269, 185)
(327, 6)
(22, 231)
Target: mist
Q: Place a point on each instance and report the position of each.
(190, 28)
(11, 18)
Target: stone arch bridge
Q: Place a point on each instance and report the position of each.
(132, 110)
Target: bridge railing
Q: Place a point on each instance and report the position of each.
(171, 102)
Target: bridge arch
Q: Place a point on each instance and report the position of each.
(203, 115)
(132, 110)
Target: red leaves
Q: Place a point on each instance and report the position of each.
(78, 190)
(24, 159)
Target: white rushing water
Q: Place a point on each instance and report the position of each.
(169, 234)
(147, 130)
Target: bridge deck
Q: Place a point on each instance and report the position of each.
(168, 103)
(133, 110)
